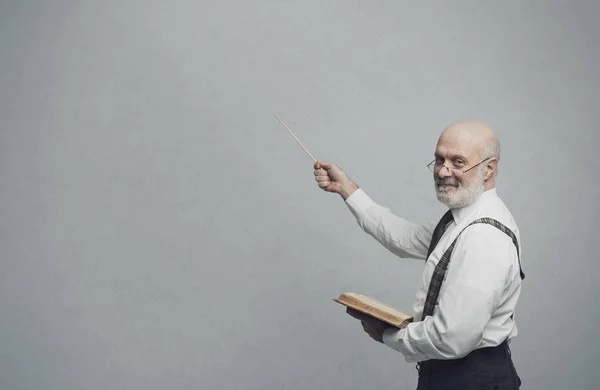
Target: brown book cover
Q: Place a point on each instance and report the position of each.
(375, 309)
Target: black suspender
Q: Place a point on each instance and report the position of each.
(440, 270)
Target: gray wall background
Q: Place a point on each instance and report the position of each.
(159, 229)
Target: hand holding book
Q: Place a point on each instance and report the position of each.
(370, 324)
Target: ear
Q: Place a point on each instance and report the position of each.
(490, 168)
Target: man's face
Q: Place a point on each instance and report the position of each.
(453, 187)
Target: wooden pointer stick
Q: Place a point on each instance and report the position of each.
(297, 140)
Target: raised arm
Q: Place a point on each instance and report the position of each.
(401, 237)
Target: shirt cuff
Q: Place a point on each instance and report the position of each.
(392, 338)
(358, 202)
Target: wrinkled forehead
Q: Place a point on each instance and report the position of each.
(457, 143)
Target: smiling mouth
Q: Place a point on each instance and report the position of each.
(446, 187)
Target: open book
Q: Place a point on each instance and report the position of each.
(374, 308)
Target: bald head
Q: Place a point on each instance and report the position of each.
(473, 136)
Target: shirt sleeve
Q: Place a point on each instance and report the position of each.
(398, 235)
(479, 271)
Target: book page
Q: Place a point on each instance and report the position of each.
(374, 308)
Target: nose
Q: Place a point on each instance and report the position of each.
(444, 172)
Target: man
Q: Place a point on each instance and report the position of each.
(464, 306)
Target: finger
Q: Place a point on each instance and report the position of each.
(320, 172)
(357, 314)
(322, 178)
(317, 165)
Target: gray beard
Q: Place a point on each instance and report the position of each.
(462, 195)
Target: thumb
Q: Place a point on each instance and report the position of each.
(322, 164)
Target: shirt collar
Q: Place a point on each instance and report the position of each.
(463, 212)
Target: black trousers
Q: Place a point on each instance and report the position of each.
(485, 368)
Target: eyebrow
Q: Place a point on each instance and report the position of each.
(452, 156)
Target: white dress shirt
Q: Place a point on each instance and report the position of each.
(482, 284)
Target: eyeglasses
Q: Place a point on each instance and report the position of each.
(433, 166)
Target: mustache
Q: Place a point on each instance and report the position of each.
(446, 182)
